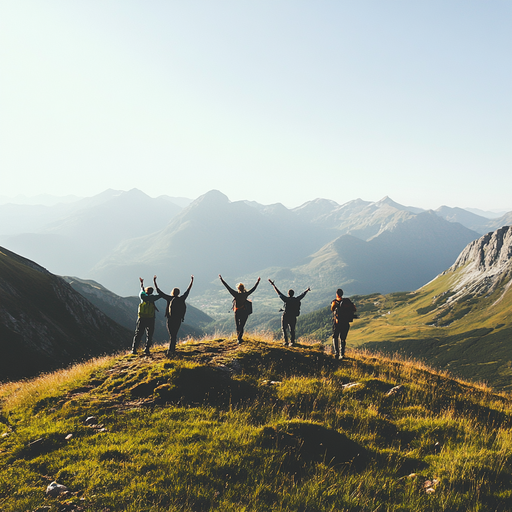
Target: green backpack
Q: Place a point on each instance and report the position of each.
(146, 309)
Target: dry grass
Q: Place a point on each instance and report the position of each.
(26, 392)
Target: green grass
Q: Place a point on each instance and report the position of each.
(471, 336)
(256, 427)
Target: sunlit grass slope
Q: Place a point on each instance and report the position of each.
(256, 427)
(471, 337)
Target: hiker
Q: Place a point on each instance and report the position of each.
(146, 317)
(290, 313)
(241, 305)
(343, 310)
(174, 312)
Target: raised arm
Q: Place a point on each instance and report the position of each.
(185, 295)
(160, 292)
(230, 290)
(254, 287)
(141, 283)
(302, 295)
(273, 283)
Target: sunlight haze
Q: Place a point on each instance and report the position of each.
(270, 101)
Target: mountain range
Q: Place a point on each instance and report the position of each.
(70, 238)
(115, 237)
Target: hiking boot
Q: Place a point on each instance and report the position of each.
(147, 352)
(286, 344)
(134, 352)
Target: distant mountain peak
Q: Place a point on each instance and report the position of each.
(134, 192)
(387, 201)
(212, 197)
(318, 202)
(110, 192)
(316, 209)
(212, 201)
(355, 202)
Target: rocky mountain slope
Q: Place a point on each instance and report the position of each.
(484, 266)
(45, 324)
(461, 320)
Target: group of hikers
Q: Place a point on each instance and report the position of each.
(343, 310)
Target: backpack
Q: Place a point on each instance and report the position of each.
(177, 308)
(247, 306)
(146, 309)
(343, 310)
(292, 306)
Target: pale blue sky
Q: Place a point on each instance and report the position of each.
(272, 101)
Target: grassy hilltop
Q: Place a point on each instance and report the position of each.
(257, 427)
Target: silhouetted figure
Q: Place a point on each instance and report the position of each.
(174, 312)
(241, 305)
(343, 310)
(290, 313)
(146, 317)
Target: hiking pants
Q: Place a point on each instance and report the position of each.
(146, 325)
(240, 319)
(288, 322)
(339, 337)
(173, 326)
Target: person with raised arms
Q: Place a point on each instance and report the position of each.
(242, 306)
(174, 312)
(145, 318)
(290, 312)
